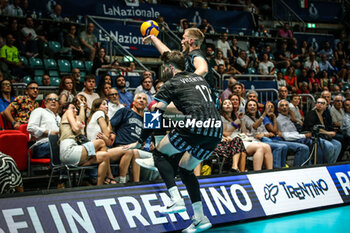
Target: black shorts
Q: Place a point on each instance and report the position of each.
(197, 145)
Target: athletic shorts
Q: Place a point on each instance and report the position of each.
(197, 145)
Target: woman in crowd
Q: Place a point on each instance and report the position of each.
(92, 152)
(66, 89)
(232, 148)
(325, 80)
(102, 89)
(101, 61)
(314, 82)
(7, 94)
(219, 60)
(291, 79)
(72, 41)
(339, 53)
(303, 77)
(255, 126)
(261, 152)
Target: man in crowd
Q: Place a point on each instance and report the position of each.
(228, 91)
(42, 123)
(19, 110)
(90, 95)
(113, 105)
(146, 86)
(89, 40)
(223, 46)
(312, 64)
(45, 80)
(76, 76)
(319, 117)
(242, 62)
(125, 97)
(282, 94)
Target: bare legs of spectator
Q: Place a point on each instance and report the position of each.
(261, 155)
(239, 161)
(101, 158)
(125, 157)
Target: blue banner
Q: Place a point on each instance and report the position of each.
(171, 14)
(341, 179)
(316, 11)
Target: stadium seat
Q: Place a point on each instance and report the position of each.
(251, 70)
(283, 70)
(27, 79)
(78, 64)
(88, 66)
(36, 63)
(14, 143)
(54, 73)
(38, 79)
(55, 46)
(39, 72)
(50, 64)
(64, 67)
(54, 81)
(24, 60)
(82, 74)
(297, 72)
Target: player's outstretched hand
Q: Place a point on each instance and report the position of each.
(135, 145)
(147, 39)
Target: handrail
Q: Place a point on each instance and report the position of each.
(112, 38)
(250, 76)
(295, 14)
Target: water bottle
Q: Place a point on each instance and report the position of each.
(34, 15)
(252, 87)
(148, 143)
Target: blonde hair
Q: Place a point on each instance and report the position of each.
(195, 34)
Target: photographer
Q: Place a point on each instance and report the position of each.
(318, 116)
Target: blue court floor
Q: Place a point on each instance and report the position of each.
(321, 221)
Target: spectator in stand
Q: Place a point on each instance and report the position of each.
(127, 124)
(324, 64)
(314, 82)
(283, 56)
(266, 66)
(295, 51)
(125, 97)
(318, 116)
(251, 8)
(25, 8)
(10, 62)
(304, 89)
(13, 9)
(45, 80)
(267, 50)
(339, 53)
(291, 79)
(219, 60)
(281, 82)
(56, 14)
(234, 48)
(221, 69)
(253, 95)
(210, 56)
(17, 34)
(206, 27)
(72, 41)
(242, 62)
(337, 112)
(103, 93)
(92, 152)
(228, 91)
(19, 110)
(303, 77)
(76, 79)
(312, 64)
(89, 84)
(113, 104)
(285, 32)
(183, 25)
(294, 107)
(66, 89)
(327, 50)
(237, 89)
(7, 94)
(223, 46)
(33, 42)
(282, 95)
(325, 80)
(262, 31)
(42, 123)
(253, 57)
(89, 41)
(101, 61)
(345, 124)
(146, 86)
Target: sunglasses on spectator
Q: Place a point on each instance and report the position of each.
(322, 103)
(52, 99)
(33, 88)
(112, 94)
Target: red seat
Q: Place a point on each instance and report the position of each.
(14, 143)
(4, 123)
(23, 129)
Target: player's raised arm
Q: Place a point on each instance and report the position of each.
(201, 66)
(157, 43)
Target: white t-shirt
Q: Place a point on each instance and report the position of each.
(113, 108)
(93, 128)
(240, 62)
(26, 31)
(223, 46)
(311, 65)
(265, 67)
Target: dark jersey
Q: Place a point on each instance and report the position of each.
(209, 77)
(191, 95)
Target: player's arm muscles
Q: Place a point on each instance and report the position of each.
(201, 66)
(160, 46)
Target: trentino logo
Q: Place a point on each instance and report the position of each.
(152, 120)
(271, 192)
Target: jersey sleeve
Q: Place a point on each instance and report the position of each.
(165, 93)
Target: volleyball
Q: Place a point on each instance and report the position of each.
(149, 27)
